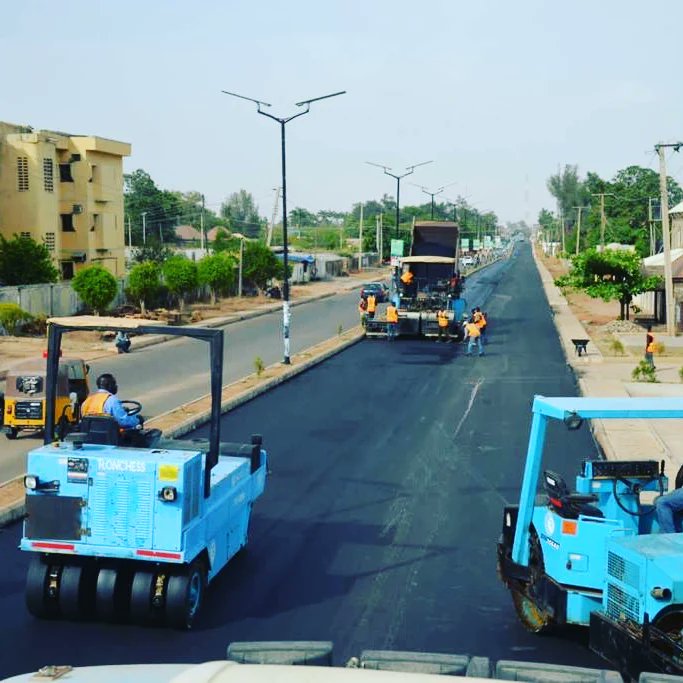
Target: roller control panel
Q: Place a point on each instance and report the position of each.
(625, 469)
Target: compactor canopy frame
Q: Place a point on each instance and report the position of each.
(58, 326)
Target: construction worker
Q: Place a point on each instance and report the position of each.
(650, 347)
(392, 321)
(480, 322)
(473, 337)
(408, 280)
(443, 321)
(363, 311)
(372, 306)
(105, 402)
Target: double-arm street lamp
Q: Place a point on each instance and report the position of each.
(433, 194)
(387, 171)
(282, 121)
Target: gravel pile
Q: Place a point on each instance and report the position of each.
(622, 327)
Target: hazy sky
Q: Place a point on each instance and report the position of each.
(496, 93)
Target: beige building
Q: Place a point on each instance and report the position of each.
(65, 191)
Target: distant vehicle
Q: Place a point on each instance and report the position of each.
(468, 261)
(379, 289)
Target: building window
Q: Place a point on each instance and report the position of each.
(22, 174)
(25, 235)
(67, 222)
(67, 270)
(48, 176)
(95, 222)
(50, 241)
(94, 174)
(65, 173)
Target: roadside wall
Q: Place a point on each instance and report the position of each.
(56, 299)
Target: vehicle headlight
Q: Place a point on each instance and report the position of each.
(31, 482)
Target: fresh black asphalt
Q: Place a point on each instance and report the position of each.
(391, 463)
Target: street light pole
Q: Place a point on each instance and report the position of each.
(286, 316)
(144, 227)
(409, 170)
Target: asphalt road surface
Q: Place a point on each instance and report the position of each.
(167, 375)
(391, 464)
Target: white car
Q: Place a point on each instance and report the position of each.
(467, 262)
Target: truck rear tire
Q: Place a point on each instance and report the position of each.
(38, 601)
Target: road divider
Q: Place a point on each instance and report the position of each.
(187, 417)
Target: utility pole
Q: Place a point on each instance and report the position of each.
(666, 237)
(603, 218)
(283, 121)
(409, 170)
(578, 227)
(144, 227)
(562, 231)
(360, 239)
(130, 233)
(202, 238)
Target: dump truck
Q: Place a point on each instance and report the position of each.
(436, 283)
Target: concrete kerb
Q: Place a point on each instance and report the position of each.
(301, 362)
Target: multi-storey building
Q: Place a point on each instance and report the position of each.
(65, 191)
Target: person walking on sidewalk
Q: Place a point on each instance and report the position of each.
(392, 321)
(442, 319)
(650, 347)
(473, 338)
(372, 306)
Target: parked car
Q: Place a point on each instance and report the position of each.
(468, 262)
(379, 289)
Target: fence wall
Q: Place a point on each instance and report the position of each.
(56, 299)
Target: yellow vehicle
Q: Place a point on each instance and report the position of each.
(25, 395)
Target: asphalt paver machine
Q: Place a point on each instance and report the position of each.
(127, 533)
(595, 557)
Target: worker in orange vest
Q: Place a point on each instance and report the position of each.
(372, 306)
(443, 321)
(363, 311)
(407, 279)
(105, 402)
(473, 338)
(480, 322)
(392, 321)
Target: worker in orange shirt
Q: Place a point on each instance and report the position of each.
(473, 338)
(372, 306)
(443, 321)
(480, 322)
(408, 280)
(363, 310)
(392, 321)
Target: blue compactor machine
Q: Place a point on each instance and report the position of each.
(595, 557)
(124, 532)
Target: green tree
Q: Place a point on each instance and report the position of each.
(569, 190)
(144, 282)
(24, 261)
(241, 212)
(217, 271)
(153, 251)
(225, 242)
(162, 208)
(610, 275)
(260, 264)
(180, 276)
(96, 287)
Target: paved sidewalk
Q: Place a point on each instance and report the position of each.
(601, 376)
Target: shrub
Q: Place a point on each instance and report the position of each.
(96, 287)
(217, 271)
(658, 348)
(644, 372)
(180, 275)
(144, 282)
(12, 317)
(680, 373)
(616, 347)
(259, 366)
(36, 326)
